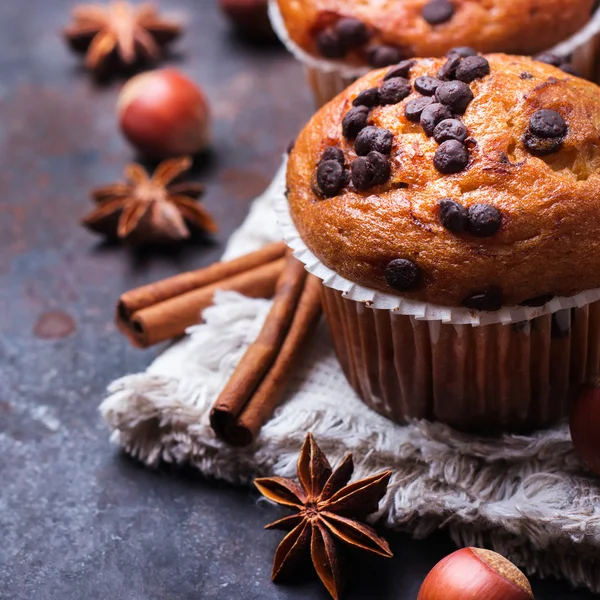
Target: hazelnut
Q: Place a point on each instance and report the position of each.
(477, 575)
(164, 114)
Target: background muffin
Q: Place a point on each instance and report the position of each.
(355, 35)
(469, 183)
(429, 27)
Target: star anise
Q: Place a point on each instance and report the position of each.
(148, 209)
(327, 510)
(119, 31)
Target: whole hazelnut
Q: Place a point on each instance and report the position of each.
(585, 424)
(164, 114)
(477, 575)
(250, 18)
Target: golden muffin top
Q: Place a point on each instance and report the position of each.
(382, 32)
(468, 181)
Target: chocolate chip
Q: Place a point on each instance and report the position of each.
(370, 170)
(402, 274)
(526, 75)
(369, 97)
(355, 120)
(462, 51)
(546, 132)
(426, 85)
(383, 56)
(448, 71)
(558, 61)
(414, 108)
(490, 300)
(330, 45)
(550, 59)
(432, 115)
(334, 153)
(352, 32)
(436, 12)
(547, 123)
(394, 90)
(538, 300)
(456, 95)
(541, 146)
(450, 129)
(402, 69)
(453, 216)
(484, 220)
(570, 69)
(374, 138)
(472, 68)
(330, 177)
(451, 157)
(380, 167)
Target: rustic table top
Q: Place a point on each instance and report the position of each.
(78, 519)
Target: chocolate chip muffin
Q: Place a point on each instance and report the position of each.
(464, 187)
(374, 34)
(452, 179)
(385, 32)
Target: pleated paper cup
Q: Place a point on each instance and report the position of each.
(483, 379)
(328, 78)
(512, 370)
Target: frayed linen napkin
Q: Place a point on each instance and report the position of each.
(527, 497)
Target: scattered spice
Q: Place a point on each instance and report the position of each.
(328, 509)
(148, 209)
(162, 310)
(165, 309)
(119, 34)
(258, 383)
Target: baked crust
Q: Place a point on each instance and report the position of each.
(512, 26)
(549, 239)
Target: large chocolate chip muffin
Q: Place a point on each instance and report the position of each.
(465, 181)
(385, 31)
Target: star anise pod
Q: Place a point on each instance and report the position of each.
(327, 510)
(119, 31)
(148, 209)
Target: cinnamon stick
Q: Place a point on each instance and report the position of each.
(262, 352)
(151, 294)
(170, 318)
(269, 393)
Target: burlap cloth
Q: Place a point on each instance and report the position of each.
(528, 497)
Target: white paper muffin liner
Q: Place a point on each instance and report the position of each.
(305, 58)
(403, 306)
(328, 78)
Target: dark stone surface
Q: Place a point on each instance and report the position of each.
(78, 520)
